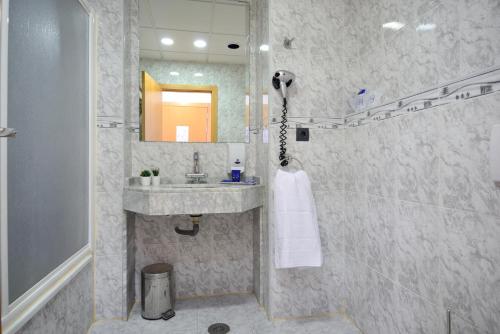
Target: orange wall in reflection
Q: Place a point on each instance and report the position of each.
(196, 116)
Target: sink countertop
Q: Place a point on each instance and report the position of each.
(176, 199)
(196, 187)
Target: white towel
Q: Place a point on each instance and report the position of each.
(297, 241)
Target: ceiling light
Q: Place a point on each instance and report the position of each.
(426, 27)
(174, 73)
(167, 41)
(198, 74)
(393, 25)
(199, 43)
(264, 47)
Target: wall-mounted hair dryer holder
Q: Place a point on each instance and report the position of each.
(283, 79)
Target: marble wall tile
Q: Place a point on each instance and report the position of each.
(355, 273)
(377, 313)
(397, 235)
(417, 152)
(331, 219)
(355, 176)
(381, 158)
(176, 159)
(413, 314)
(418, 68)
(355, 234)
(418, 232)
(470, 262)
(464, 154)
(110, 55)
(479, 31)
(109, 232)
(218, 260)
(321, 157)
(334, 279)
(108, 295)
(381, 235)
(300, 292)
(70, 311)
(110, 163)
(460, 326)
(448, 40)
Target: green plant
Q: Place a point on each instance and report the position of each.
(156, 171)
(145, 173)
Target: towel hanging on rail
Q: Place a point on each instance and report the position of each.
(296, 234)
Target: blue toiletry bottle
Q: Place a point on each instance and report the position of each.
(235, 175)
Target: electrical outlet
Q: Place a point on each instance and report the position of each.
(302, 134)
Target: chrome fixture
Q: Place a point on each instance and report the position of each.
(195, 219)
(196, 176)
(448, 321)
(7, 132)
(288, 43)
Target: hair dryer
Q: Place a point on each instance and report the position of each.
(282, 80)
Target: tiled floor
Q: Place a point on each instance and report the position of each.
(240, 312)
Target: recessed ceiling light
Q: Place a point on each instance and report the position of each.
(393, 25)
(198, 74)
(233, 46)
(264, 47)
(174, 73)
(199, 43)
(426, 27)
(167, 41)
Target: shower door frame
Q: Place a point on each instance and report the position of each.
(20, 311)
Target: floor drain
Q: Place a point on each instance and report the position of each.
(218, 329)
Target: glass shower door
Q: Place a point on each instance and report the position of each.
(45, 173)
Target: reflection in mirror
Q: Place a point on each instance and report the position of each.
(195, 78)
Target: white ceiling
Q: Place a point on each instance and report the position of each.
(218, 22)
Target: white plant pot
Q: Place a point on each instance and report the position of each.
(145, 180)
(155, 180)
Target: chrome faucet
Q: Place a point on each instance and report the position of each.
(196, 167)
(196, 176)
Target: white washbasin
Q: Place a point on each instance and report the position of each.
(192, 185)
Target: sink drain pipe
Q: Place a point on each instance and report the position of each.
(195, 219)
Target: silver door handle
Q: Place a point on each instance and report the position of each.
(7, 132)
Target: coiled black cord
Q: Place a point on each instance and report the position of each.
(283, 158)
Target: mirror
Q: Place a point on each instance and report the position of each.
(194, 61)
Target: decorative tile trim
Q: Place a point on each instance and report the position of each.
(312, 122)
(109, 122)
(471, 87)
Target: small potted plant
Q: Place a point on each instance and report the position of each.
(156, 176)
(145, 177)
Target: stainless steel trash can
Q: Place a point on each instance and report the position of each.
(157, 290)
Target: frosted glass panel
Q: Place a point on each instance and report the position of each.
(48, 160)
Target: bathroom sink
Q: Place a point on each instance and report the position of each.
(192, 198)
(192, 185)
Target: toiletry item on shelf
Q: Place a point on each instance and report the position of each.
(237, 171)
(235, 175)
(363, 100)
(236, 161)
(249, 182)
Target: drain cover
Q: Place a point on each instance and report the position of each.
(218, 329)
